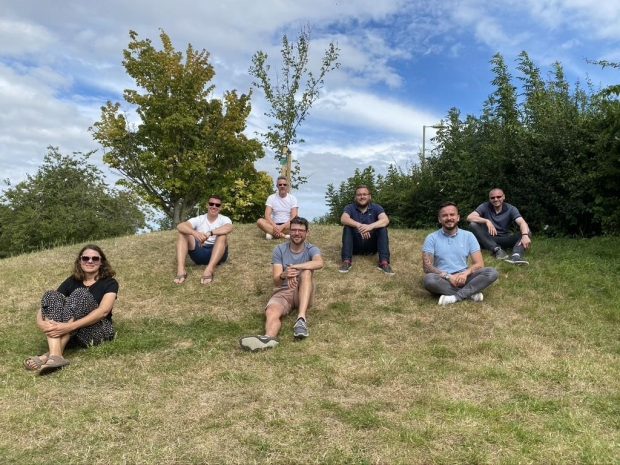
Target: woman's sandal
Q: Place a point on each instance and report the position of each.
(35, 363)
(54, 362)
(180, 278)
(207, 279)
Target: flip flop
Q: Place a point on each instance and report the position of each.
(207, 279)
(180, 278)
(35, 363)
(54, 362)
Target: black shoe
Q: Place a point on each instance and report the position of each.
(499, 254)
(386, 268)
(517, 260)
(345, 267)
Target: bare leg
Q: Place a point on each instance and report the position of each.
(184, 244)
(216, 255)
(57, 344)
(306, 289)
(264, 226)
(273, 321)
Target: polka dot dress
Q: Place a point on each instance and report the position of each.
(55, 306)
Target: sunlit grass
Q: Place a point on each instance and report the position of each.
(530, 375)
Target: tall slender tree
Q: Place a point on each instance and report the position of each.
(185, 145)
(295, 89)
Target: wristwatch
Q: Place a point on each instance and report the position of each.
(445, 276)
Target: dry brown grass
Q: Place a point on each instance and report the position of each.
(386, 377)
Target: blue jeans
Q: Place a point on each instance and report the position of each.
(354, 244)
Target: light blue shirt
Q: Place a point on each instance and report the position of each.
(450, 253)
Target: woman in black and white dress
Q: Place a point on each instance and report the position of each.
(79, 311)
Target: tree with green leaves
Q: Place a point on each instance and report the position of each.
(185, 145)
(293, 93)
(66, 201)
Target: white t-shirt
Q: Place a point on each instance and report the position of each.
(202, 224)
(281, 207)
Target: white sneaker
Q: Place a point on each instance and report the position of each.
(268, 236)
(287, 236)
(447, 299)
(477, 297)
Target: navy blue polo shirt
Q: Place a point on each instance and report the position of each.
(502, 220)
(368, 217)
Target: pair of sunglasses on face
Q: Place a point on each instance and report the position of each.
(86, 259)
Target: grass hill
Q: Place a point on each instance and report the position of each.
(387, 376)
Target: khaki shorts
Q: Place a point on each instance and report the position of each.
(287, 298)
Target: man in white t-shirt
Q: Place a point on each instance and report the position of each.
(205, 239)
(280, 208)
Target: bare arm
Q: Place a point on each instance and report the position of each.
(268, 213)
(365, 229)
(474, 217)
(291, 273)
(346, 220)
(428, 263)
(57, 329)
(477, 263)
(526, 240)
(222, 230)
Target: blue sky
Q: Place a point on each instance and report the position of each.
(404, 65)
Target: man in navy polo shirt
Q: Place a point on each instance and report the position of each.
(491, 222)
(445, 256)
(365, 231)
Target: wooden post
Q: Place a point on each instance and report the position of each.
(286, 165)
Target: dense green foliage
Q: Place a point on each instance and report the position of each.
(554, 151)
(185, 146)
(292, 94)
(66, 201)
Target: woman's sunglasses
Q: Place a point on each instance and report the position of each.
(86, 259)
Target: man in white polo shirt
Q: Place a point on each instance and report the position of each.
(205, 239)
(280, 208)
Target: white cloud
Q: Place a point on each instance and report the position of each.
(60, 61)
(371, 112)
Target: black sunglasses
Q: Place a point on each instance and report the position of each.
(86, 259)
(281, 185)
(213, 204)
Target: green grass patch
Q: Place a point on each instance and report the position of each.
(529, 375)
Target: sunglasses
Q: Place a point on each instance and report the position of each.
(496, 197)
(213, 204)
(282, 185)
(86, 259)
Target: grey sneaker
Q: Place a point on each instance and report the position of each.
(254, 343)
(300, 330)
(386, 268)
(477, 297)
(345, 267)
(516, 259)
(499, 254)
